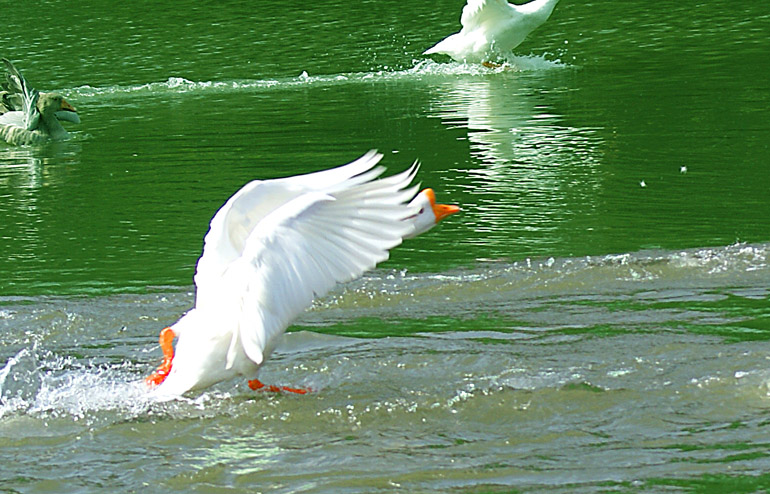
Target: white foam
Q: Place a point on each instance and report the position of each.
(82, 391)
(50, 385)
(419, 71)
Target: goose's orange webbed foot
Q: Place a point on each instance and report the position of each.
(256, 384)
(167, 345)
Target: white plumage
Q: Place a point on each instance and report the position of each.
(492, 28)
(271, 249)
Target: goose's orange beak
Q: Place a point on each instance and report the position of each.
(440, 210)
(167, 345)
(66, 106)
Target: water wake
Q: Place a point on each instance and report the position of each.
(432, 315)
(499, 281)
(422, 70)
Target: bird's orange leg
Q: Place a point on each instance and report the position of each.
(167, 345)
(256, 384)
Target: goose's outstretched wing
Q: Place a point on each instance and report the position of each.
(478, 13)
(21, 94)
(280, 243)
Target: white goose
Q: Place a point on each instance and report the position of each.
(492, 28)
(272, 248)
(30, 117)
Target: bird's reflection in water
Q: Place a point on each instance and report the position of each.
(534, 171)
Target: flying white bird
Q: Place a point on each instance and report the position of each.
(492, 28)
(271, 249)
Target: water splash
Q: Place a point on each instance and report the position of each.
(20, 381)
(84, 391)
(545, 297)
(40, 383)
(421, 70)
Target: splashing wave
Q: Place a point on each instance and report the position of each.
(421, 70)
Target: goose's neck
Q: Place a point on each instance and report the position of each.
(50, 125)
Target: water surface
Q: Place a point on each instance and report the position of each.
(595, 320)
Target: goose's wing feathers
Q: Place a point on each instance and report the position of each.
(311, 244)
(10, 101)
(485, 13)
(234, 222)
(314, 231)
(15, 83)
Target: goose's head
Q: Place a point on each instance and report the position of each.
(54, 104)
(429, 212)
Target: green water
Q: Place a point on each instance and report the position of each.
(181, 108)
(595, 320)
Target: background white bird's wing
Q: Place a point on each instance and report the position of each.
(477, 13)
(302, 249)
(232, 225)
